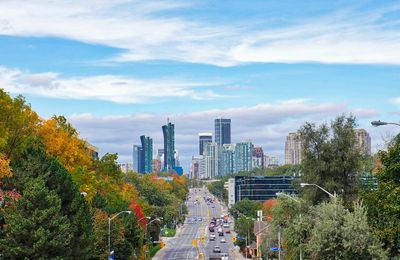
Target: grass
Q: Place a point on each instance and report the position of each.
(155, 249)
(171, 232)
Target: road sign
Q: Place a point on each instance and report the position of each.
(162, 244)
(194, 242)
(189, 213)
(202, 239)
(239, 237)
(233, 239)
(274, 249)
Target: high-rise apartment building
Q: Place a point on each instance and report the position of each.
(271, 161)
(135, 157)
(197, 167)
(211, 160)
(222, 131)
(203, 139)
(243, 156)
(293, 149)
(363, 141)
(169, 146)
(228, 159)
(258, 157)
(146, 158)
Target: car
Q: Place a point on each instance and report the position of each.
(217, 249)
(225, 220)
(211, 229)
(221, 234)
(224, 256)
(227, 231)
(222, 240)
(226, 225)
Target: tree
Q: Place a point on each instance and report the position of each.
(245, 207)
(5, 169)
(383, 203)
(36, 229)
(331, 159)
(244, 227)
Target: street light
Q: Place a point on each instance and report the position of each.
(84, 194)
(109, 229)
(379, 123)
(313, 184)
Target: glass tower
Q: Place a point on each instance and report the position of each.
(222, 131)
(203, 139)
(169, 146)
(147, 154)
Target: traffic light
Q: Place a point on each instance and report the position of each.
(233, 239)
(194, 242)
(162, 244)
(189, 213)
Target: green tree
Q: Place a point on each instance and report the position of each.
(331, 159)
(35, 228)
(244, 227)
(245, 207)
(383, 203)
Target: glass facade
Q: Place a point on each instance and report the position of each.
(262, 188)
(222, 131)
(169, 146)
(203, 139)
(147, 154)
(243, 156)
(228, 159)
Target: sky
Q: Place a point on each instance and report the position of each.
(119, 69)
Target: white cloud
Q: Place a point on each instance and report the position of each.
(395, 101)
(114, 88)
(266, 124)
(145, 31)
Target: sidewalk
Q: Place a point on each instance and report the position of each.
(168, 241)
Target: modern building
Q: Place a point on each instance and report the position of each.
(197, 167)
(211, 160)
(156, 165)
(258, 188)
(203, 139)
(363, 141)
(293, 147)
(146, 157)
(228, 160)
(244, 156)
(222, 131)
(160, 156)
(258, 157)
(271, 161)
(169, 145)
(135, 157)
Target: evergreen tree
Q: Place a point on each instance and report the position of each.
(36, 228)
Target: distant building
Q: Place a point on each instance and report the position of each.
(211, 160)
(258, 157)
(203, 139)
(135, 157)
(146, 157)
(222, 131)
(258, 188)
(93, 150)
(271, 161)
(228, 160)
(125, 167)
(293, 149)
(244, 156)
(160, 156)
(156, 165)
(197, 167)
(363, 141)
(169, 145)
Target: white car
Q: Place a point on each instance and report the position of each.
(222, 240)
(224, 256)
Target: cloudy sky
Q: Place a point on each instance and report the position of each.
(118, 69)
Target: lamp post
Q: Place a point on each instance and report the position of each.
(379, 123)
(313, 184)
(298, 201)
(109, 229)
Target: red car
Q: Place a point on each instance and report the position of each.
(228, 231)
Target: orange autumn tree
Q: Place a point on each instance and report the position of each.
(62, 142)
(5, 169)
(267, 208)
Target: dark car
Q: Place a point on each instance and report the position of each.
(211, 229)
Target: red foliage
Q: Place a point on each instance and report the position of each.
(267, 208)
(139, 214)
(10, 193)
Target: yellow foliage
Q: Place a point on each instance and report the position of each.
(69, 150)
(129, 192)
(5, 169)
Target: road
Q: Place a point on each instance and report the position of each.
(182, 246)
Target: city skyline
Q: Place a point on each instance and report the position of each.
(121, 69)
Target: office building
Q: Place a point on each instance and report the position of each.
(258, 188)
(293, 148)
(222, 131)
(203, 139)
(363, 141)
(228, 160)
(169, 145)
(160, 156)
(243, 156)
(211, 160)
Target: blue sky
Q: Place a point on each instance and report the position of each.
(119, 69)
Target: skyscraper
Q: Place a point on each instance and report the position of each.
(258, 157)
(228, 159)
(147, 154)
(211, 160)
(169, 146)
(203, 139)
(222, 131)
(363, 141)
(243, 156)
(293, 149)
(135, 157)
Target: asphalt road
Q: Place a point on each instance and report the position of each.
(182, 246)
